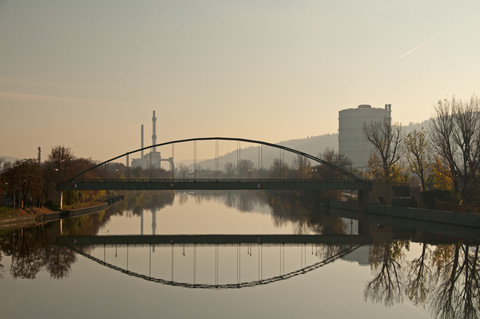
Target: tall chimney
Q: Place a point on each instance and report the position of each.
(154, 135)
(39, 156)
(141, 139)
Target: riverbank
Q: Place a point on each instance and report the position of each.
(37, 215)
(34, 216)
(414, 214)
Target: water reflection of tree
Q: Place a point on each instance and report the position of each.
(386, 261)
(456, 294)
(34, 249)
(28, 256)
(137, 201)
(418, 279)
(323, 224)
(304, 210)
(445, 278)
(242, 200)
(183, 197)
(328, 251)
(59, 261)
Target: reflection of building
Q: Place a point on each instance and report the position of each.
(351, 140)
(153, 158)
(359, 255)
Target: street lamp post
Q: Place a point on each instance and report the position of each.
(61, 191)
(23, 191)
(14, 199)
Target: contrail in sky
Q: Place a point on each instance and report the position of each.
(39, 97)
(419, 46)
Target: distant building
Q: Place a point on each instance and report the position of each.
(152, 159)
(351, 140)
(149, 160)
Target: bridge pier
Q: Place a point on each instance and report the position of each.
(363, 199)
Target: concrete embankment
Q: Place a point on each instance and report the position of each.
(71, 213)
(425, 215)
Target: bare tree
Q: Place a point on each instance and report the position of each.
(455, 135)
(418, 154)
(60, 159)
(278, 169)
(302, 167)
(386, 141)
(230, 170)
(337, 159)
(245, 168)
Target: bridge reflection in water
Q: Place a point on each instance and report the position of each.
(325, 249)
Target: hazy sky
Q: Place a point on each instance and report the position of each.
(87, 74)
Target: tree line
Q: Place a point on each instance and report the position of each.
(30, 183)
(444, 156)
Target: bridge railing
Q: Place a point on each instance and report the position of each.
(233, 184)
(219, 180)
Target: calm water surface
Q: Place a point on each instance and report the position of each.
(407, 271)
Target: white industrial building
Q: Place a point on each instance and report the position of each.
(351, 140)
(153, 158)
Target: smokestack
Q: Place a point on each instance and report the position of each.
(154, 135)
(388, 108)
(39, 156)
(141, 139)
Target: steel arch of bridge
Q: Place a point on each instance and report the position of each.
(246, 284)
(233, 139)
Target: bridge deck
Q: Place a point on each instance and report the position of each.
(213, 239)
(214, 185)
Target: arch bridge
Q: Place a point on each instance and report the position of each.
(334, 246)
(97, 177)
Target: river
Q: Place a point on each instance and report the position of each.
(355, 266)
